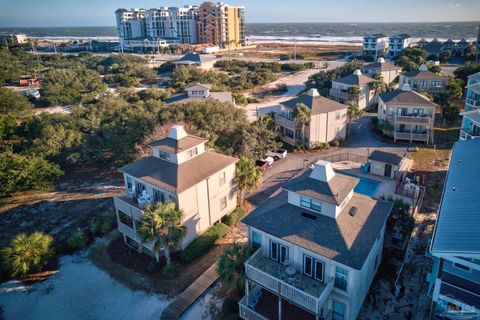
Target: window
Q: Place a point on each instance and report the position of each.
(337, 115)
(139, 188)
(158, 196)
(341, 278)
(319, 270)
(125, 218)
(311, 204)
(461, 267)
(256, 240)
(223, 202)
(163, 155)
(274, 251)
(129, 183)
(338, 312)
(278, 252)
(313, 267)
(192, 152)
(307, 266)
(223, 178)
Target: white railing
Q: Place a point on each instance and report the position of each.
(284, 122)
(128, 231)
(248, 313)
(473, 102)
(424, 119)
(338, 93)
(127, 205)
(411, 136)
(467, 135)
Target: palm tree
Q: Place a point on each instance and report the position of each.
(161, 224)
(27, 253)
(301, 116)
(353, 112)
(247, 177)
(354, 92)
(378, 85)
(231, 265)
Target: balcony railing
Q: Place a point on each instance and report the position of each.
(413, 119)
(472, 102)
(411, 136)
(339, 94)
(430, 88)
(466, 134)
(284, 122)
(267, 273)
(247, 312)
(128, 205)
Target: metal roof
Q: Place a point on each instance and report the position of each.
(457, 230)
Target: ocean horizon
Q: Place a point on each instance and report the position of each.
(308, 33)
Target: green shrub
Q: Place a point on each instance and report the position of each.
(334, 143)
(229, 307)
(232, 316)
(107, 225)
(78, 240)
(235, 216)
(27, 254)
(153, 266)
(171, 271)
(204, 242)
(96, 227)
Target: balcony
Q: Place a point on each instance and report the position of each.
(467, 134)
(473, 102)
(411, 136)
(339, 94)
(280, 120)
(413, 119)
(307, 293)
(433, 89)
(128, 205)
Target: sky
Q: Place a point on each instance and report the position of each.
(68, 13)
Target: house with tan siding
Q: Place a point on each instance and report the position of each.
(340, 89)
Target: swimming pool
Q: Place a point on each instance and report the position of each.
(365, 186)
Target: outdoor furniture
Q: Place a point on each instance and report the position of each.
(290, 271)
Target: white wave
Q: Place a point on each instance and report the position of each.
(313, 39)
(72, 38)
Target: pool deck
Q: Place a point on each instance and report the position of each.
(386, 187)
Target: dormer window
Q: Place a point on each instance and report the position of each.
(163, 155)
(311, 204)
(191, 153)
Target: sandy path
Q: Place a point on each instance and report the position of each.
(78, 291)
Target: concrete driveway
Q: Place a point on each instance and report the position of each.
(361, 141)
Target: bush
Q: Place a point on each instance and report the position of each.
(235, 216)
(96, 227)
(27, 254)
(171, 271)
(78, 240)
(232, 316)
(334, 143)
(107, 225)
(204, 242)
(229, 307)
(153, 266)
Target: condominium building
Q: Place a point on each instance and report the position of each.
(388, 71)
(454, 281)
(173, 22)
(424, 80)
(199, 181)
(342, 91)
(131, 23)
(398, 43)
(410, 114)
(375, 44)
(471, 116)
(328, 120)
(318, 246)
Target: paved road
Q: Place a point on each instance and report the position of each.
(362, 141)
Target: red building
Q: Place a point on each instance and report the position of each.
(29, 81)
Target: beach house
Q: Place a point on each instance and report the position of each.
(375, 45)
(409, 115)
(454, 281)
(471, 116)
(181, 169)
(318, 246)
(398, 43)
(328, 120)
(354, 87)
(388, 71)
(195, 60)
(424, 80)
(199, 91)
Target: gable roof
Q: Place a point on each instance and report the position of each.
(333, 191)
(190, 58)
(423, 75)
(346, 239)
(458, 222)
(317, 104)
(199, 86)
(355, 80)
(409, 97)
(174, 177)
(385, 157)
(375, 36)
(401, 36)
(382, 66)
(171, 145)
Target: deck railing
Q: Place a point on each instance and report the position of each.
(248, 313)
(466, 134)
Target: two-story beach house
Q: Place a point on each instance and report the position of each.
(398, 43)
(182, 170)
(375, 45)
(199, 91)
(410, 114)
(328, 120)
(388, 71)
(454, 282)
(424, 80)
(195, 60)
(318, 246)
(340, 90)
(471, 116)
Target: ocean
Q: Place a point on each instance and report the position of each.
(314, 33)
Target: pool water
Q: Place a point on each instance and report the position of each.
(365, 186)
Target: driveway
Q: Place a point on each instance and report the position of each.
(361, 141)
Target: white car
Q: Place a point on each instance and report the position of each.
(267, 159)
(277, 154)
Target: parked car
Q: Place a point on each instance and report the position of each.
(262, 165)
(268, 159)
(277, 154)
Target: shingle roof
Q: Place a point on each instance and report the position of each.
(410, 98)
(200, 86)
(383, 66)
(356, 80)
(177, 178)
(346, 239)
(433, 47)
(175, 146)
(375, 35)
(385, 157)
(316, 104)
(423, 75)
(401, 35)
(184, 98)
(333, 191)
(458, 222)
(191, 58)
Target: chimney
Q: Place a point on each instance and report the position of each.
(177, 132)
(423, 67)
(322, 171)
(406, 87)
(313, 93)
(357, 72)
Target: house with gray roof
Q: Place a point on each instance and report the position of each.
(385, 164)
(318, 246)
(388, 71)
(341, 87)
(182, 170)
(195, 60)
(328, 120)
(424, 80)
(471, 116)
(199, 91)
(409, 115)
(398, 43)
(375, 45)
(454, 281)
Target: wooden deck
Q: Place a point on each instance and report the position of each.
(178, 306)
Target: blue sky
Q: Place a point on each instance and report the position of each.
(58, 13)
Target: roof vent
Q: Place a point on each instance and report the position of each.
(357, 72)
(353, 211)
(381, 60)
(322, 171)
(309, 216)
(177, 132)
(406, 87)
(313, 93)
(423, 67)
